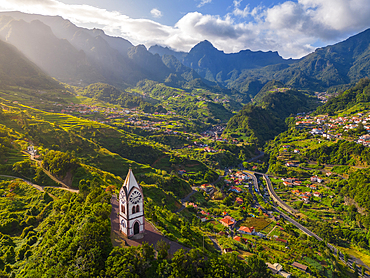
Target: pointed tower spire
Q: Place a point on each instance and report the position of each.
(130, 181)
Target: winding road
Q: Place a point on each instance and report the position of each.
(352, 259)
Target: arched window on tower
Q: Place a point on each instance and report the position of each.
(137, 208)
(123, 209)
(133, 209)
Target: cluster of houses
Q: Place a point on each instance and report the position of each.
(208, 188)
(331, 128)
(322, 96)
(364, 140)
(238, 178)
(90, 109)
(199, 98)
(305, 196)
(277, 269)
(215, 133)
(150, 125)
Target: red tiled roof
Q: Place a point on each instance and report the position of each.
(228, 222)
(246, 229)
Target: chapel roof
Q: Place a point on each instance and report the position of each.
(130, 181)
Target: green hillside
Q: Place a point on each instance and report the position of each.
(194, 103)
(108, 93)
(266, 119)
(16, 70)
(359, 95)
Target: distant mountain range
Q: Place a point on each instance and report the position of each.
(247, 71)
(215, 65)
(81, 56)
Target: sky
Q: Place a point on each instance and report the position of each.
(293, 28)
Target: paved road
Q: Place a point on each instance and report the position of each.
(272, 193)
(215, 243)
(256, 157)
(255, 183)
(352, 259)
(186, 199)
(276, 198)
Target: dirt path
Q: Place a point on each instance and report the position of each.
(155, 162)
(39, 187)
(151, 235)
(47, 172)
(271, 231)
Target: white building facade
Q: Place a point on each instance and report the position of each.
(131, 208)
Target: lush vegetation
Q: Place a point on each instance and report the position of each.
(360, 93)
(173, 136)
(262, 122)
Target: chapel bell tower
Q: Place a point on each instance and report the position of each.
(131, 208)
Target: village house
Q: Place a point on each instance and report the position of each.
(291, 180)
(238, 238)
(298, 183)
(317, 194)
(235, 189)
(239, 200)
(227, 221)
(31, 150)
(305, 199)
(275, 268)
(181, 172)
(285, 274)
(203, 218)
(207, 188)
(247, 230)
(192, 205)
(289, 184)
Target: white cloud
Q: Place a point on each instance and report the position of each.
(203, 2)
(291, 28)
(240, 12)
(156, 13)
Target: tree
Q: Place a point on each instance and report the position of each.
(258, 267)
(355, 269)
(346, 257)
(162, 248)
(185, 231)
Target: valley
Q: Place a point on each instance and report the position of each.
(247, 170)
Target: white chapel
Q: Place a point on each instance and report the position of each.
(131, 208)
